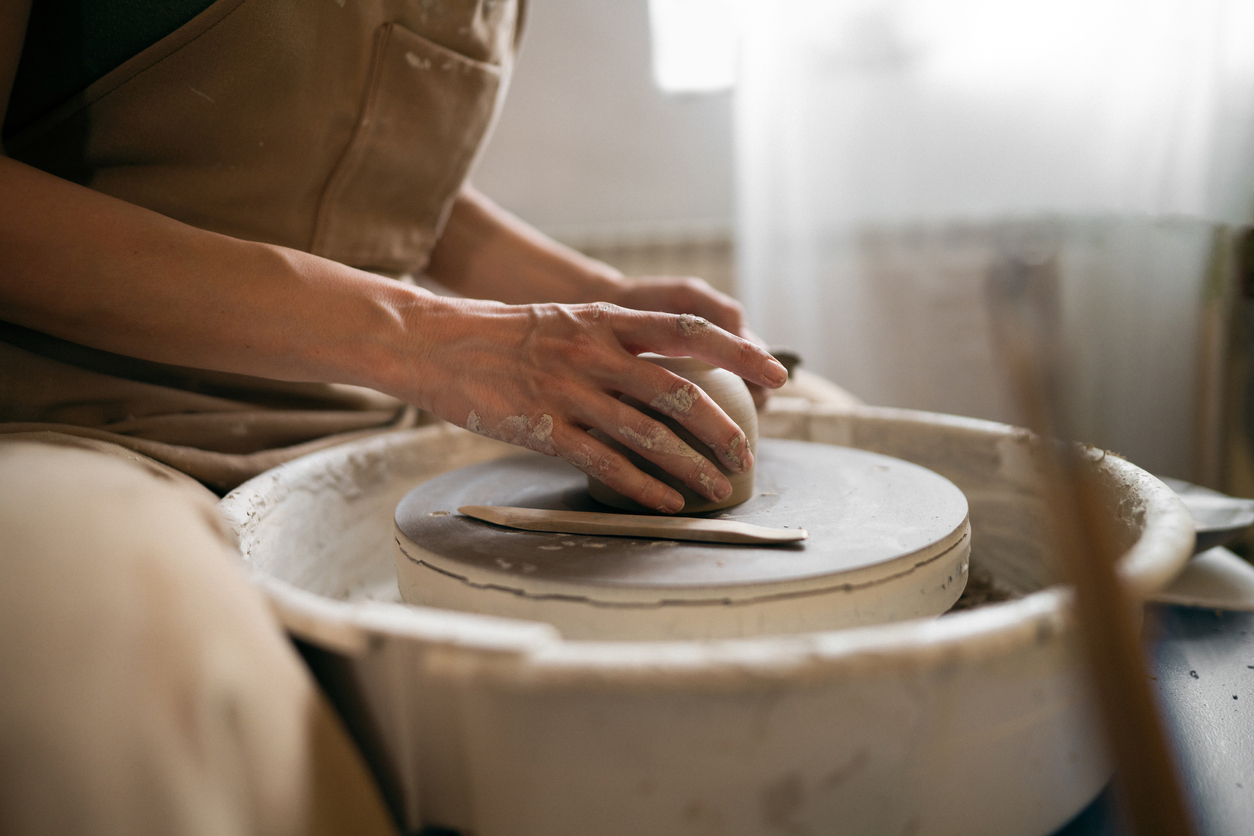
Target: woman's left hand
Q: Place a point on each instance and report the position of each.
(671, 294)
(487, 253)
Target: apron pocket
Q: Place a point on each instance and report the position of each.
(425, 113)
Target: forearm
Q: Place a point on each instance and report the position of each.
(86, 267)
(89, 268)
(487, 253)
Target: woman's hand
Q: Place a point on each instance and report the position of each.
(487, 253)
(691, 296)
(538, 375)
(542, 375)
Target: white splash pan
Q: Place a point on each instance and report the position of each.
(976, 722)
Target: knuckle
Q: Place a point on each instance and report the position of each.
(575, 320)
(610, 467)
(644, 433)
(649, 492)
(553, 314)
(677, 402)
(598, 312)
(579, 455)
(690, 325)
(698, 469)
(694, 285)
(651, 428)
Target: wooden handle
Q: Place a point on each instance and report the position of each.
(1023, 295)
(633, 525)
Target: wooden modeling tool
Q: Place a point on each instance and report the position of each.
(633, 525)
(1023, 297)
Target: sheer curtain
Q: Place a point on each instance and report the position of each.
(884, 147)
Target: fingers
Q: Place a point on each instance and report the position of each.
(561, 438)
(684, 295)
(600, 461)
(696, 297)
(656, 442)
(554, 371)
(671, 395)
(686, 335)
(693, 296)
(750, 335)
(760, 395)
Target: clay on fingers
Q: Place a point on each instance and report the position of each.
(655, 442)
(690, 406)
(729, 393)
(605, 466)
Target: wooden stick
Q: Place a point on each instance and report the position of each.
(1023, 293)
(633, 525)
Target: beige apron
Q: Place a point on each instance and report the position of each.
(339, 127)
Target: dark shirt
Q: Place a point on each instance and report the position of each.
(71, 43)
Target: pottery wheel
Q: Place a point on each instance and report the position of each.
(881, 529)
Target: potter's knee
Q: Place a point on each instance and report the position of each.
(77, 507)
(145, 672)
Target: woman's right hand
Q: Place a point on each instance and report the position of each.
(538, 375)
(542, 376)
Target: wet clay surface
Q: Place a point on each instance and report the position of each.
(861, 509)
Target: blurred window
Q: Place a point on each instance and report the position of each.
(694, 45)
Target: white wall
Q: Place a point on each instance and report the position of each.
(589, 149)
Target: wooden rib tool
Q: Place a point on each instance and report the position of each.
(633, 525)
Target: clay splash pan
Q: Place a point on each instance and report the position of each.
(978, 722)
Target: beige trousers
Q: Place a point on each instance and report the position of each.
(145, 688)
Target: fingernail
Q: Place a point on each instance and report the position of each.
(672, 503)
(722, 491)
(746, 459)
(776, 373)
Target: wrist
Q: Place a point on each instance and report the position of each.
(396, 357)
